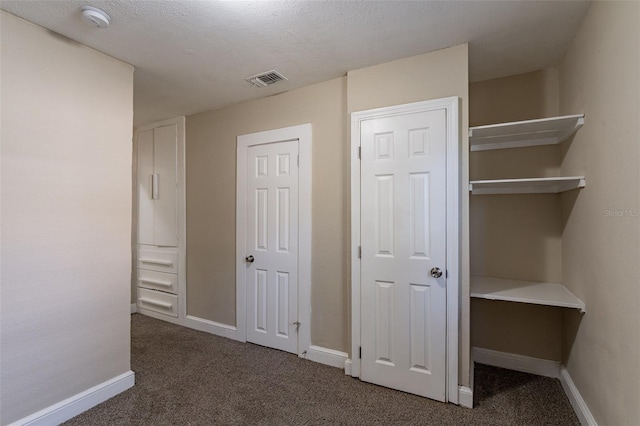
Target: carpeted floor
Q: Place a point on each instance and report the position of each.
(185, 377)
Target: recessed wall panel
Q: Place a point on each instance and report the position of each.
(419, 237)
(419, 328)
(384, 322)
(282, 304)
(384, 215)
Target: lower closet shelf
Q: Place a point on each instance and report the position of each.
(539, 293)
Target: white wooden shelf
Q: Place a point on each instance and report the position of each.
(544, 131)
(552, 185)
(538, 293)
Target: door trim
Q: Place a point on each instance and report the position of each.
(450, 105)
(303, 134)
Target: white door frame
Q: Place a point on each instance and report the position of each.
(450, 105)
(302, 133)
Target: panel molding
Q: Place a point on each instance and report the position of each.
(384, 215)
(79, 403)
(419, 184)
(454, 234)
(282, 304)
(384, 327)
(419, 309)
(303, 134)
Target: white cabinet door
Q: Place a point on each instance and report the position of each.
(145, 196)
(165, 219)
(272, 240)
(157, 187)
(403, 236)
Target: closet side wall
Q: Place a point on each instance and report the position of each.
(600, 76)
(515, 236)
(67, 113)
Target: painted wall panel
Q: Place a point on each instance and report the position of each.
(66, 218)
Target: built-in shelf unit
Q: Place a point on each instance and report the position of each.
(546, 131)
(552, 185)
(538, 293)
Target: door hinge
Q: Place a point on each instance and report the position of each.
(359, 153)
(360, 353)
(359, 252)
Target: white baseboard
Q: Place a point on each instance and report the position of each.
(211, 327)
(578, 404)
(347, 366)
(326, 356)
(71, 407)
(134, 308)
(526, 364)
(157, 315)
(465, 397)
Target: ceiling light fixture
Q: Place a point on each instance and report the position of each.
(95, 17)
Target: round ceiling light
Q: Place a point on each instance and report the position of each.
(95, 17)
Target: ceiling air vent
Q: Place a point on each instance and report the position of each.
(266, 78)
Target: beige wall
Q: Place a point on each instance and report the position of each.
(211, 180)
(600, 76)
(434, 75)
(211, 151)
(516, 236)
(67, 114)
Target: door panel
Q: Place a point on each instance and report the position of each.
(272, 239)
(145, 200)
(165, 220)
(403, 223)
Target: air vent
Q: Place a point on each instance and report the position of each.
(266, 78)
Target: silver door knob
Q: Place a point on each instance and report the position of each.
(435, 272)
(249, 259)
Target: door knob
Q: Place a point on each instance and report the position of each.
(249, 259)
(435, 272)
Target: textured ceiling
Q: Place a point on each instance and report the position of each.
(193, 56)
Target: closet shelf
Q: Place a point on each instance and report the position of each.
(552, 185)
(544, 131)
(538, 293)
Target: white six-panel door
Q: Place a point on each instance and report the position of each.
(272, 241)
(403, 236)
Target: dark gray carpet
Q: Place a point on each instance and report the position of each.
(185, 377)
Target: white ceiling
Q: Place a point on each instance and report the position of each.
(192, 56)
